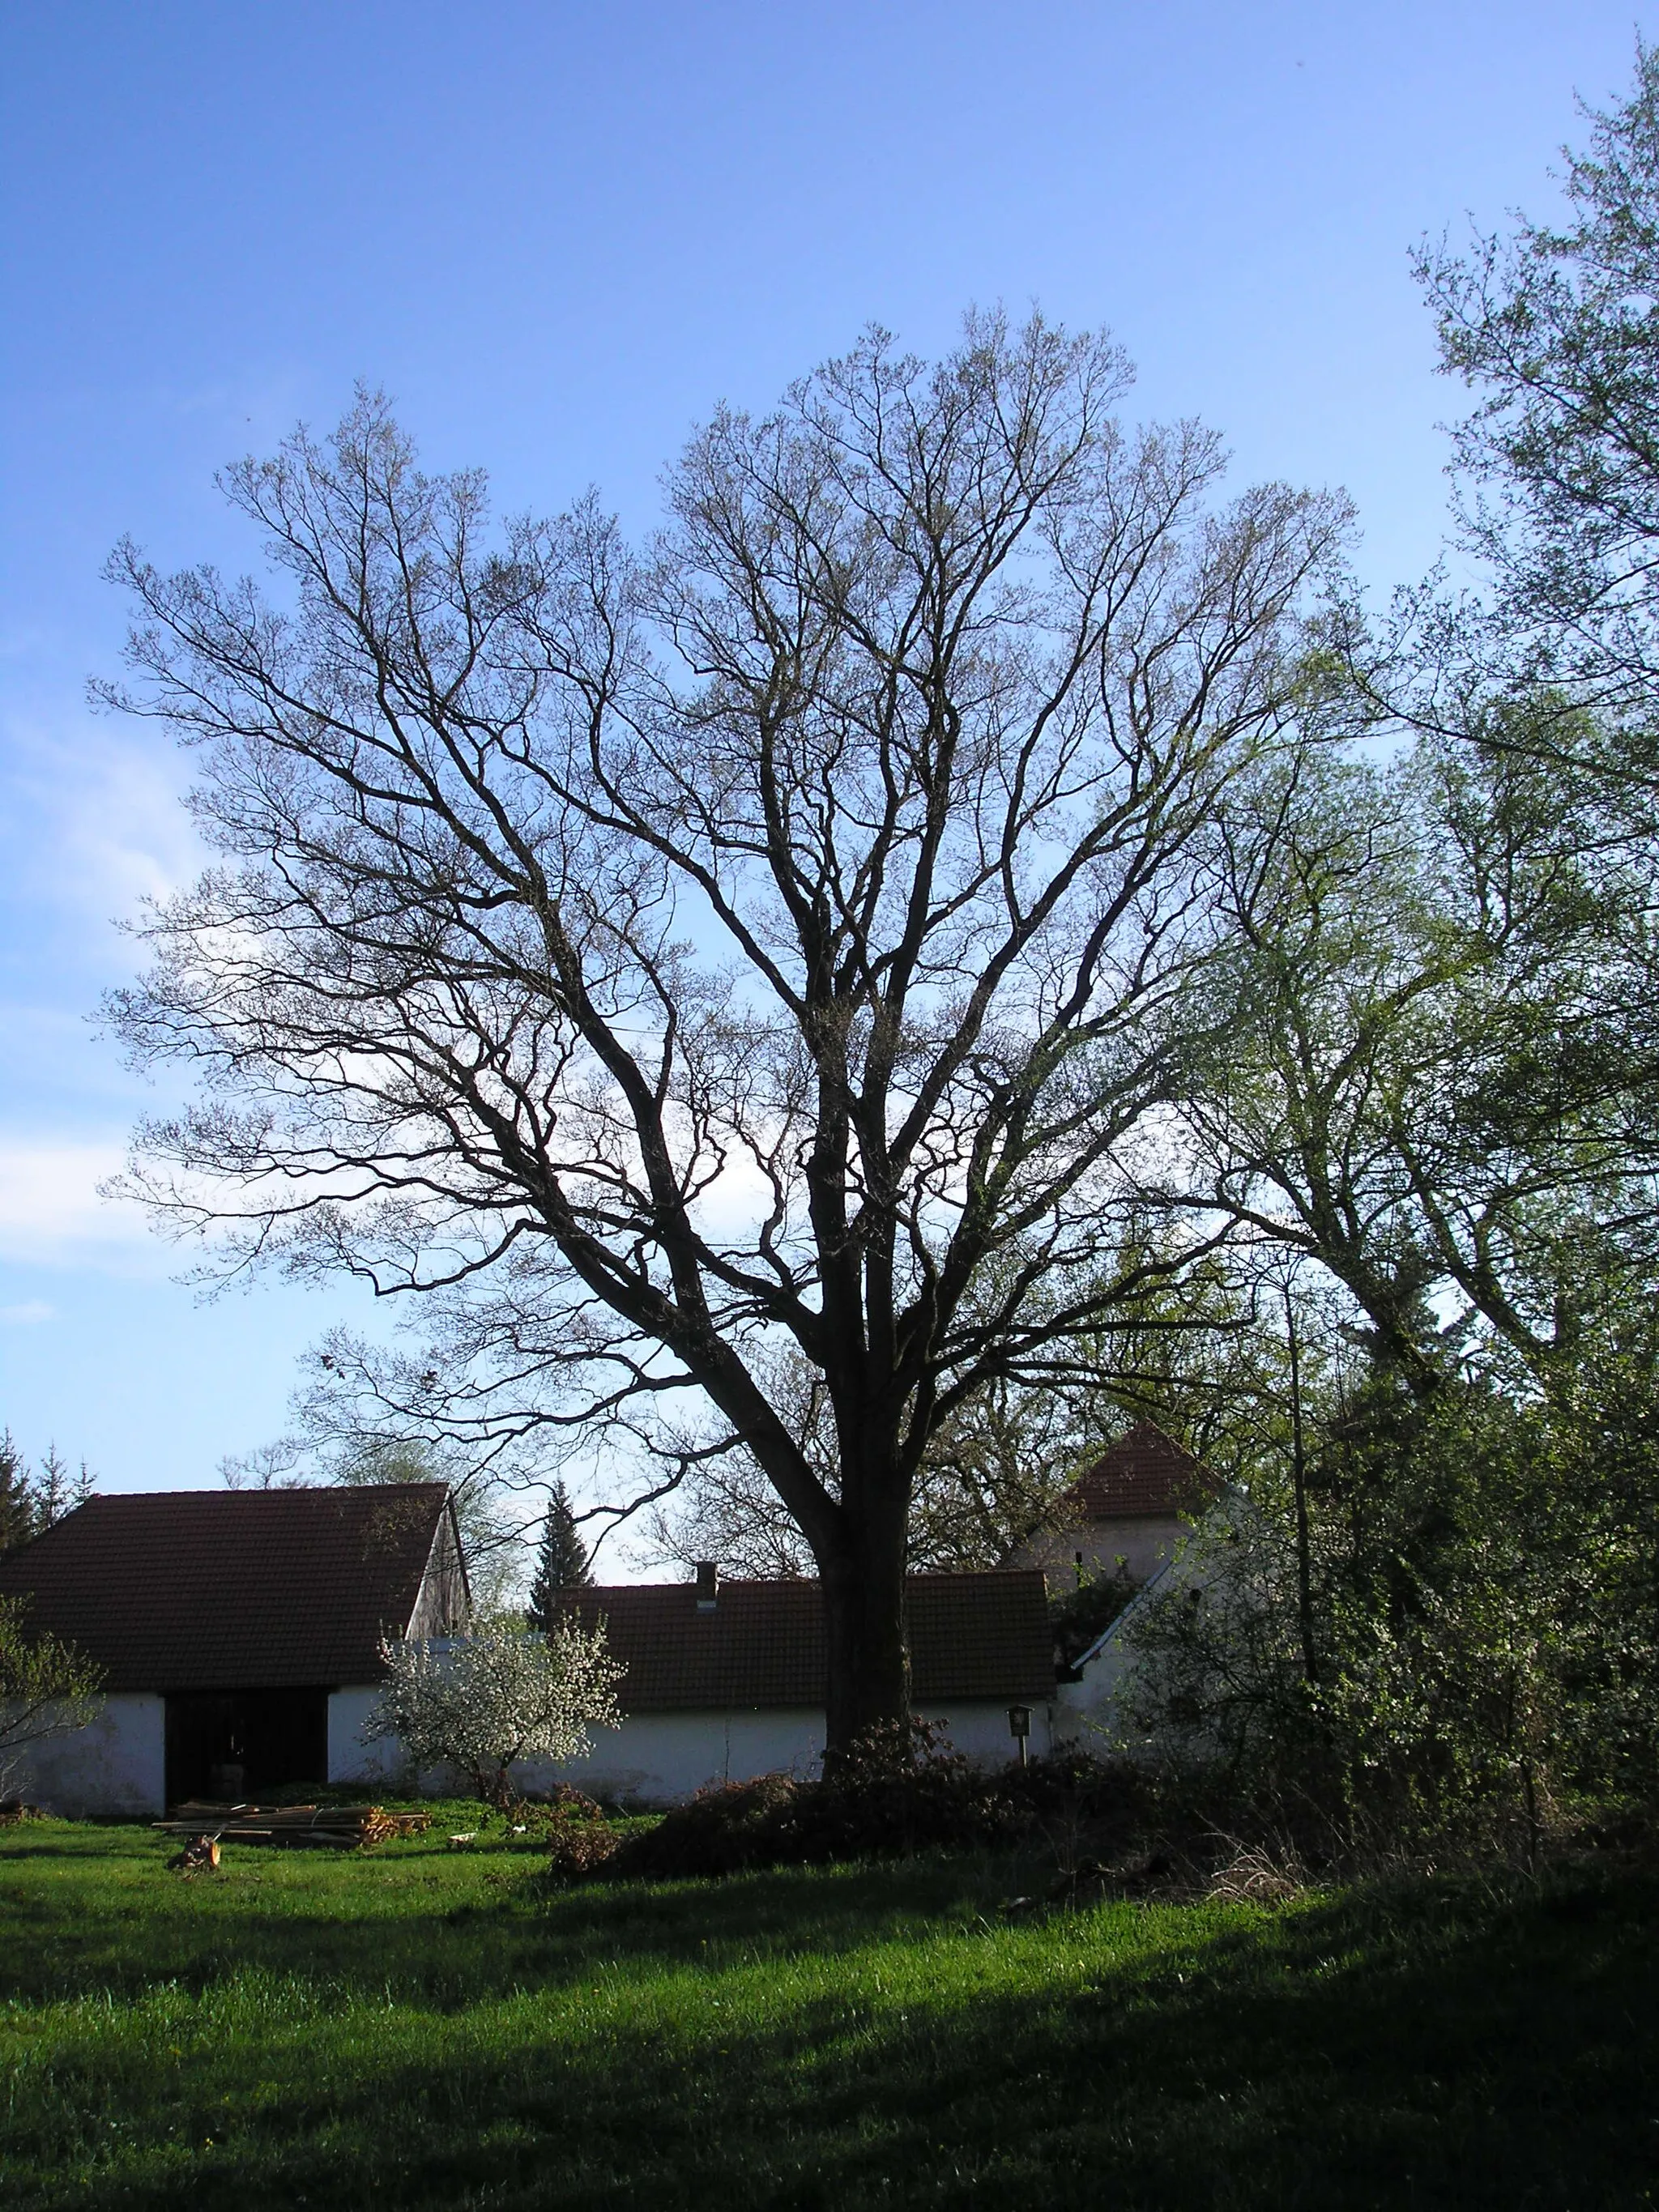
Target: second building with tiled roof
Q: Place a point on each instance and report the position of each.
(723, 1680)
(1123, 1516)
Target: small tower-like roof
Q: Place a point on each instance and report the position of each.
(1145, 1475)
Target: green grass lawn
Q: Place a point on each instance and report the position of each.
(417, 2027)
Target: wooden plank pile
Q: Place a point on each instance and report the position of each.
(336, 1827)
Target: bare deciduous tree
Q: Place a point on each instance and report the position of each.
(783, 937)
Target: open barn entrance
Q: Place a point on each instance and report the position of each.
(233, 1744)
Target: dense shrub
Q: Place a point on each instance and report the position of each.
(577, 1845)
(899, 1792)
(1454, 1642)
(720, 1830)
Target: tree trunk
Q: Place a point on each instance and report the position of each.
(1299, 1481)
(866, 1657)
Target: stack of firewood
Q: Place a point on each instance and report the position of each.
(340, 1827)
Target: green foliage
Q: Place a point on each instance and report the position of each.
(429, 2029)
(1080, 1615)
(1476, 1640)
(1429, 1117)
(1553, 328)
(47, 1688)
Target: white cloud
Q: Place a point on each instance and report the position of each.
(50, 1207)
(27, 1315)
(97, 825)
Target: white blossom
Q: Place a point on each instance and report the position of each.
(499, 1693)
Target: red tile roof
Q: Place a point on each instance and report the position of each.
(971, 1636)
(220, 1589)
(1145, 1475)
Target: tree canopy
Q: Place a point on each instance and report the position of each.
(562, 1560)
(782, 935)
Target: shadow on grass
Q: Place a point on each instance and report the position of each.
(1419, 2047)
(21, 1852)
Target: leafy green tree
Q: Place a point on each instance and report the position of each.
(1430, 1611)
(1436, 1099)
(1486, 1649)
(1422, 1088)
(1554, 328)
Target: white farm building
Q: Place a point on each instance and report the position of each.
(725, 1680)
(238, 1633)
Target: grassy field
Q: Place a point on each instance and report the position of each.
(417, 2027)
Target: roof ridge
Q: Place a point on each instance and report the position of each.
(209, 1589)
(277, 1491)
(812, 1582)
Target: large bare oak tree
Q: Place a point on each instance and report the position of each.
(776, 938)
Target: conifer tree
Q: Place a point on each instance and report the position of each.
(561, 1562)
(32, 1500)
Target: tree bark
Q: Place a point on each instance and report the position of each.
(867, 1654)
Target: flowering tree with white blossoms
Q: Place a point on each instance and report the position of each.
(500, 1693)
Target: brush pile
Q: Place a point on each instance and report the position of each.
(337, 1828)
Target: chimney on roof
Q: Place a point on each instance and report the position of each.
(708, 1583)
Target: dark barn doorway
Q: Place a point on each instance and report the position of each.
(228, 1745)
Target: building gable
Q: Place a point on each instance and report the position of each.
(199, 1590)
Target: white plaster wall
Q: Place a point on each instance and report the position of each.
(116, 1765)
(383, 1763)
(1089, 1713)
(661, 1758)
(1092, 1713)
(1144, 1543)
(980, 1731)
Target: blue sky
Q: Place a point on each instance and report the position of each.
(557, 234)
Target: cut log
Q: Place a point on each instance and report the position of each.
(200, 1855)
